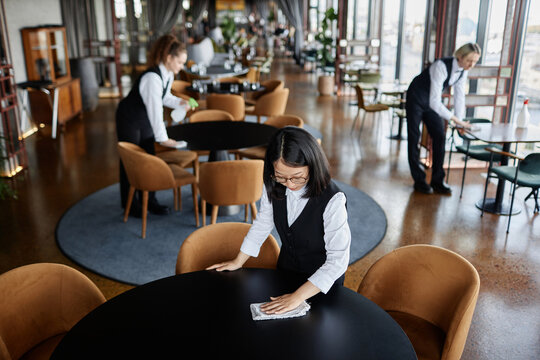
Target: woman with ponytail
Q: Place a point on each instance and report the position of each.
(139, 117)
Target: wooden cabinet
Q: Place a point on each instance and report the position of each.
(47, 66)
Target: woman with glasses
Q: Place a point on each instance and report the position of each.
(309, 212)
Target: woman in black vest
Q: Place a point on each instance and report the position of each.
(309, 212)
(139, 117)
(424, 103)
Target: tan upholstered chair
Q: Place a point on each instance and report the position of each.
(39, 304)
(147, 172)
(231, 79)
(182, 158)
(270, 104)
(216, 243)
(210, 115)
(280, 121)
(431, 292)
(373, 108)
(268, 85)
(233, 104)
(237, 182)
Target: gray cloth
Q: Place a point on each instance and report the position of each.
(258, 314)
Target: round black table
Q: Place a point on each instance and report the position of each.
(225, 88)
(206, 314)
(220, 136)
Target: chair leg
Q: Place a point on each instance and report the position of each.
(511, 207)
(355, 119)
(176, 191)
(196, 168)
(485, 192)
(203, 211)
(215, 209)
(449, 159)
(246, 212)
(362, 124)
(463, 176)
(131, 193)
(179, 197)
(195, 194)
(144, 212)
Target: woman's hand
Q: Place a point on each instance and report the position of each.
(231, 265)
(284, 303)
(169, 143)
(460, 123)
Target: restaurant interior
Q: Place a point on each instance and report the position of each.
(338, 68)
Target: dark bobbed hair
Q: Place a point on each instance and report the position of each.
(164, 46)
(296, 147)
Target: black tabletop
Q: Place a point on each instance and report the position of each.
(206, 314)
(222, 135)
(225, 88)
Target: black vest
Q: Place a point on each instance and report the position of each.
(303, 249)
(132, 106)
(419, 89)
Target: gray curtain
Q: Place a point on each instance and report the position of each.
(77, 29)
(293, 10)
(162, 15)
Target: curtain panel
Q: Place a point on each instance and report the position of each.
(293, 11)
(162, 15)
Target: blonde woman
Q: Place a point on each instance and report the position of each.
(424, 103)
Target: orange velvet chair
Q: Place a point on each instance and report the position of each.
(362, 106)
(221, 242)
(233, 104)
(39, 304)
(211, 115)
(147, 172)
(270, 104)
(431, 292)
(236, 182)
(280, 121)
(269, 86)
(182, 158)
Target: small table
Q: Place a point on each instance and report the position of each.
(52, 96)
(505, 134)
(218, 71)
(220, 136)
(206, 315)
(225, 88)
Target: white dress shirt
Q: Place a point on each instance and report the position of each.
(438, 74)
(151, 89)
(337, 235)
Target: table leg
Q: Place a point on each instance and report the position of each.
(496, 205)
(55, 113)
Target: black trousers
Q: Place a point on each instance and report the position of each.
(139, 133)
(416, 113)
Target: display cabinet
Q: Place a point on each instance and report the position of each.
(55, 97)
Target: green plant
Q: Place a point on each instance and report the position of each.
(228, 29)
(325, 55)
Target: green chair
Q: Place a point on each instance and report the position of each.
(471, 148)
(525, 174)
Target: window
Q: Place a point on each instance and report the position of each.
(413, 39)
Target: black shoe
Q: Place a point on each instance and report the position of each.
(442, 188)
(423, 187)
(157, 209)
(135, 211)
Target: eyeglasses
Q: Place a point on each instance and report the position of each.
(297, 180)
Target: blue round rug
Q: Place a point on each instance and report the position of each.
(92, 233)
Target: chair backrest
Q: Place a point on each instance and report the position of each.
(253, 75)
(221, 242)
(233, 182)
(273, 103)
(145, 171)
(210, 115)
(42, 301)
(179, 89)
(359, 96)
(430, 282)
(531, 165)
(269, 86)
(280, 121)
(231, 79)
(233, 104)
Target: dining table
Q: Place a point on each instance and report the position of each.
(505, 134)
(218, 71)
(206, 315)
(217, 87)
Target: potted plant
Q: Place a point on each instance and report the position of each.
(325, 55)
(229, 31)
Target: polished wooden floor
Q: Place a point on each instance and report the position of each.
(506, 323)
